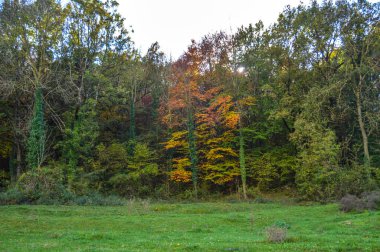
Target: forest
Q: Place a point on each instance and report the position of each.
(290, 107)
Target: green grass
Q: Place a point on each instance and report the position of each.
(185, 227)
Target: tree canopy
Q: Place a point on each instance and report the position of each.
(293, 106)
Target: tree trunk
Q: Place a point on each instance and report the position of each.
(193, 153)
(18, 160)
(362, 127)
(243, 170)
(132, 127)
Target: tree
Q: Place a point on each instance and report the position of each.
(36, 149)
(360, 35)
(79, 142)
(216, 130)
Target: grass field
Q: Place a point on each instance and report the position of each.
(186, 227)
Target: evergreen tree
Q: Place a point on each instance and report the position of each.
(37, 136)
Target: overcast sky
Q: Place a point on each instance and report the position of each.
(173, 23)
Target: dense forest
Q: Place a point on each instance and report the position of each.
(292, 107)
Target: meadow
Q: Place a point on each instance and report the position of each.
(220, 226)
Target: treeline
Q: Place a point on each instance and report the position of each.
(290, 107)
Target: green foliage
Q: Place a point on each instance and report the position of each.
(273, 169)
(13, 196)
(142, 163)
(356, 180)
(96, 199)
(36, 148)
(4, 179)
(282, 224)
(80, 140)
(291, 105)
(139, 176)
(317, 173)
(43, 185)
(112, 159)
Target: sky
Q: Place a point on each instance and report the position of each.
(173, 23)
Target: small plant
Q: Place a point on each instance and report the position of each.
(145, 204)
(276, 234)
(282, 224)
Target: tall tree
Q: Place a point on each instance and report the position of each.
(36, 148)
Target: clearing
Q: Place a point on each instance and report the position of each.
(143, 226)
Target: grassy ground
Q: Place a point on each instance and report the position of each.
(185, 227)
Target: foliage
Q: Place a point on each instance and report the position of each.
(142, 163)
(318, 160)
(216, 130)
(42, 185)
(128, 175)
(36, 148)
(111, 160)
(12, 196)
(357, 180)
(273, 168)
(294, 105)
(79, 142)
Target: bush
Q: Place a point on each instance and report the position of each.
(371, 200)
(43, 186)
(12, 196)
(355, 180)
(368, 201)
(351, 203)
(276, 234)
(99, 200)
(4, 179)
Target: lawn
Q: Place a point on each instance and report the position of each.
(186, 227)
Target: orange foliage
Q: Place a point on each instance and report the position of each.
(180, 176)
(177, 140)
(216, 117)
(232, 120)
(216, 125)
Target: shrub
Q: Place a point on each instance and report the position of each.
(4, 179)
(12, 196)
(276, 234)
(371, 200)
(99, 200)
(355, 180)
(351, 203)
(45, 183)
(368, 201)
(262, 200)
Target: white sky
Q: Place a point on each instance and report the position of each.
(173, 23)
